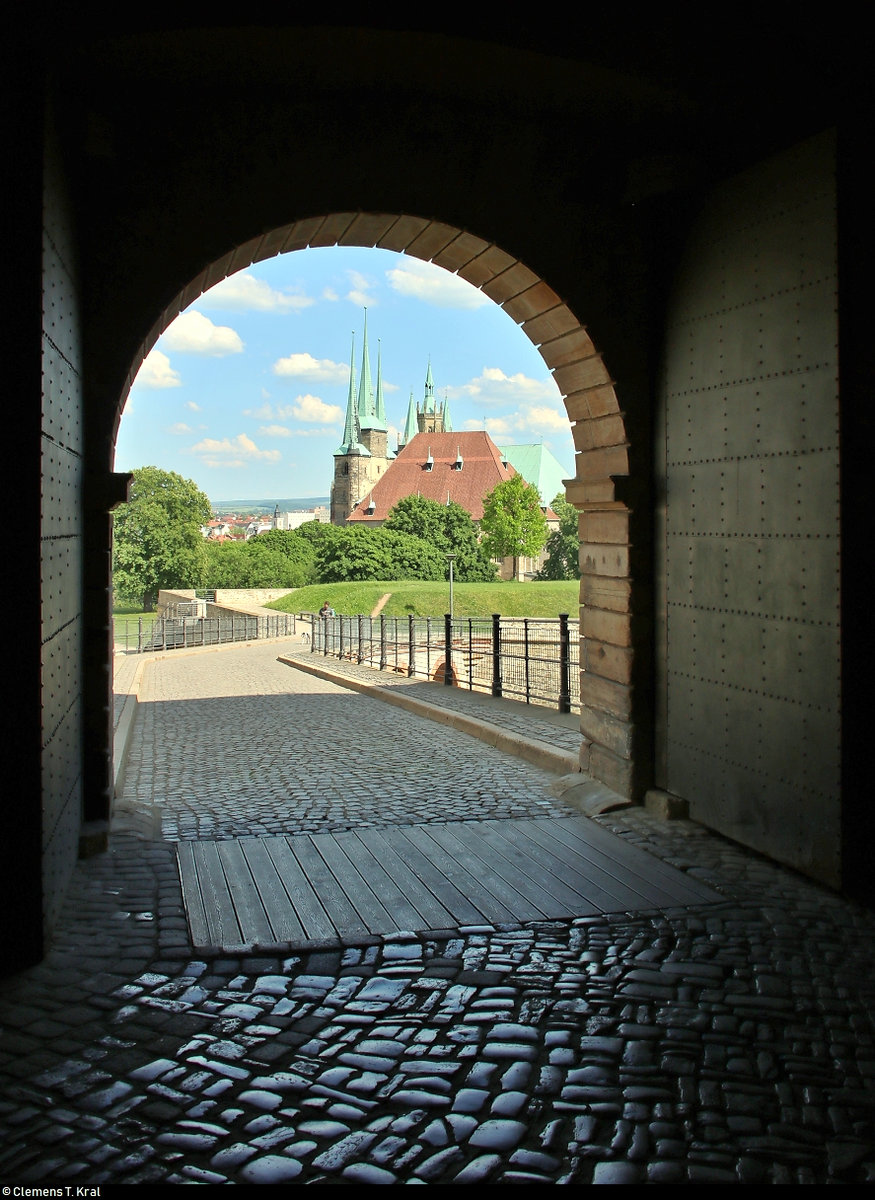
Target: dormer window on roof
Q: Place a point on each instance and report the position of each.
(429, 462)
(460, 462)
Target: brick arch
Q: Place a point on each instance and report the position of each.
(597, 427)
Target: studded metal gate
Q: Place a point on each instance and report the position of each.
(748, 726)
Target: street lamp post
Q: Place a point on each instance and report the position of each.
(451, 558)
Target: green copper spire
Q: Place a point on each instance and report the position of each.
(366, 412)
(428, 402)
(380, 414)
(351, 443)
(448, 425)
(411, 426)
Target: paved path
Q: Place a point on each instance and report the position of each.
(723, 1042)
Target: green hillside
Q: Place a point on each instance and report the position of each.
(432, 599)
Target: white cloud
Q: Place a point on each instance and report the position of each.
(156, 372)
(361, 293)
(528, 420)
(244, 293)
(305, 366)
(305, 408)
(267, 412)
(180, 427)
(424, 281)
(311, 408)
(494, 426)
(239, 451)
(190, 404)
(540, 417)
(193, 333)
(274, 430)
(493, 386)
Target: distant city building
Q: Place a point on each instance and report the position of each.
(299, 517)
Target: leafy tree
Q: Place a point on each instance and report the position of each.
(356, 553)
(275, 559)
(157, 540)
(314, 531)
(450, 529)
(513, 524)
(563, 544)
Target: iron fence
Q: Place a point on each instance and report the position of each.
(180, 631)
(528, 658)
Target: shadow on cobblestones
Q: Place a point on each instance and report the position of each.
(725, 1043)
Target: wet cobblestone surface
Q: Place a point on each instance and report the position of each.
(726, 1043)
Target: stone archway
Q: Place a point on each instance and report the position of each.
(598, 429)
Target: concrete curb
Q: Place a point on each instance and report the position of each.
(540, 754)
(124, 727)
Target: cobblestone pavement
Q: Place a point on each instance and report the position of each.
(726, 1043)
(284, 752)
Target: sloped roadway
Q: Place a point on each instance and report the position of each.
(721, 1042)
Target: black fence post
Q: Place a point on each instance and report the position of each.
(411, 642)
(496, 654)
(360, 653)
(448, 650)
(526, 655)
(564, 665)
(382, 642)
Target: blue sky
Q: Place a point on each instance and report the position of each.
(245, 392)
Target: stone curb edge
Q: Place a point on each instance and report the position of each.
(538, 753)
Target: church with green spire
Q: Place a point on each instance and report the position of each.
(431, 460)
(364, 455)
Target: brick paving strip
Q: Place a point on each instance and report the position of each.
(727, 1042)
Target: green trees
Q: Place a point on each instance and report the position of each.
(449, 529)
(157, 541)
(356, 553)
(563, 544)
(513, 524)
(277, 559)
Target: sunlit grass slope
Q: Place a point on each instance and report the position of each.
(433, 599)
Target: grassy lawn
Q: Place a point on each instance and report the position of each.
(433, 599)
(131, 612)
(125, 623)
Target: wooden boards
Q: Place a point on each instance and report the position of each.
(295, 890)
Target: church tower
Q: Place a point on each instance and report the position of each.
(363, 455)
(427, 417)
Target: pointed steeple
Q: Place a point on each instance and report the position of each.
(411, 427)
(351, 443)
(380, 407)
(366, 394)
(448, 425)
(428, 402)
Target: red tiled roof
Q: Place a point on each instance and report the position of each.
(408, 474)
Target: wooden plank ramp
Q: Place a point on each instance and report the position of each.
(296, 889)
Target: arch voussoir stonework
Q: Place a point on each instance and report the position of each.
(607, 696)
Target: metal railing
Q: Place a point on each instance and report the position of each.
(527, 658)
(180, 631)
